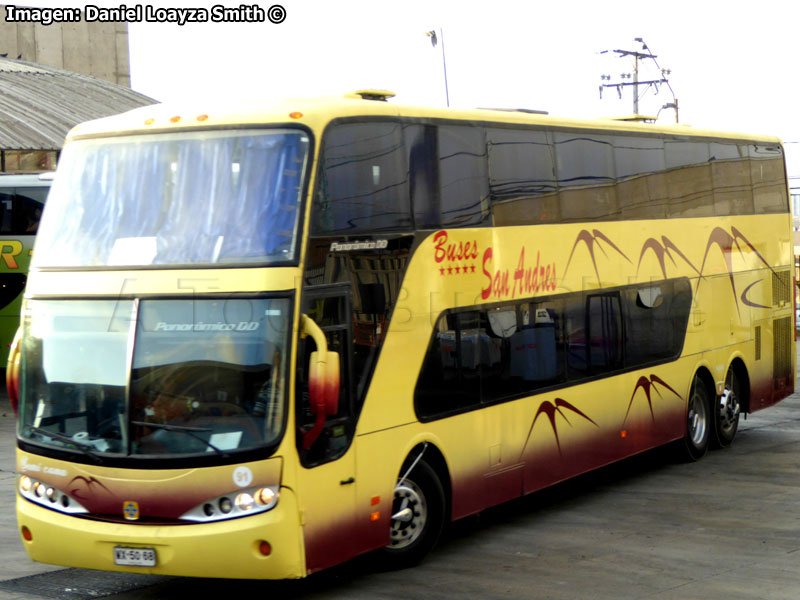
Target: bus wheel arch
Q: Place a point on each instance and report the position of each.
(699, 416)
(420, 508)
(729, 405)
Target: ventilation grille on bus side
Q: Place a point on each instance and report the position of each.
(781, 287)
(782, 347)
(758, 342)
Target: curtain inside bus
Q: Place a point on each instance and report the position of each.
(177, 198)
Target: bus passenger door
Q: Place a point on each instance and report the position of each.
(326, 477)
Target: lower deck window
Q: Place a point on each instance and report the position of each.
(484, 355)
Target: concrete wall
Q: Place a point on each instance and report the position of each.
(98, 49)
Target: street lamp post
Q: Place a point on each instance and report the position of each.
(434, 40)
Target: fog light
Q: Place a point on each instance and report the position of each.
(51, 494)
(25, 483)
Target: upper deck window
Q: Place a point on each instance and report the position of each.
(174, 199)
(364, 180)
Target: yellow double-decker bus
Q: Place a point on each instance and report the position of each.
(257, 342)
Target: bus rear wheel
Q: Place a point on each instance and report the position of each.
(698, 421)
(418, 514)
(726, 422)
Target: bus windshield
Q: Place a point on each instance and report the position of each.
(175, 199)
(155, 377)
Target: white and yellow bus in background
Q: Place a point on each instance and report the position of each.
(260, 341)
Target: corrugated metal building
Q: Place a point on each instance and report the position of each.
(40, 104)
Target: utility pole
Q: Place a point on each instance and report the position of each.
(637, 56)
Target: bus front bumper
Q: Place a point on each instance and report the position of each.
(231, 549)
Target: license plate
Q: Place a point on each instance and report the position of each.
(134, 557)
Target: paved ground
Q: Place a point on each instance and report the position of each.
(725, 527)
(14, 562)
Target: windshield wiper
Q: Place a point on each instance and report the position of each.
(87, 449)
(190, 431)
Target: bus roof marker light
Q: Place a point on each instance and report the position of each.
(296, 115)
(149, 121)
(174, 119)
(623, 434)
(202, 117)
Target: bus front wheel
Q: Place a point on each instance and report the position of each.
(699, 421)
(418, 513)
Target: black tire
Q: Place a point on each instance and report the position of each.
(726, 411)
(699, 422)
(418, 515)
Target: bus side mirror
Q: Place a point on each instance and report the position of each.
(12, 371)
(323, 380)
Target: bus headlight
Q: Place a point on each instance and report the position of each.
(266, 496)
(244, 501)
(250, 501)
(49, 496)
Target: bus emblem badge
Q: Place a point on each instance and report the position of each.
(130, 510)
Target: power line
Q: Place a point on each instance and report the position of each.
(636, 82)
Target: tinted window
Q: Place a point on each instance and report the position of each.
(585, 167)
(688, 179)
(495, 353)
(21, 209)
(767, 173)
(593, 334)
(527, 352)
(463, 180)
(423, 172)
(655, 320)
(363, 180)
(521, 177)
(29, 206)
(399, 176)
(450, 378)
(641, 183)
(730, 174)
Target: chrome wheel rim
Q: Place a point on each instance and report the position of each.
(409, 514)
(728, 410)
(698, 421)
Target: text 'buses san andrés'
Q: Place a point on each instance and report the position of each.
(259, 341)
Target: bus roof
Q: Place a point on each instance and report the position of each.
(317, 112)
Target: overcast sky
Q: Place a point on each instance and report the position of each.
(732, 62)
